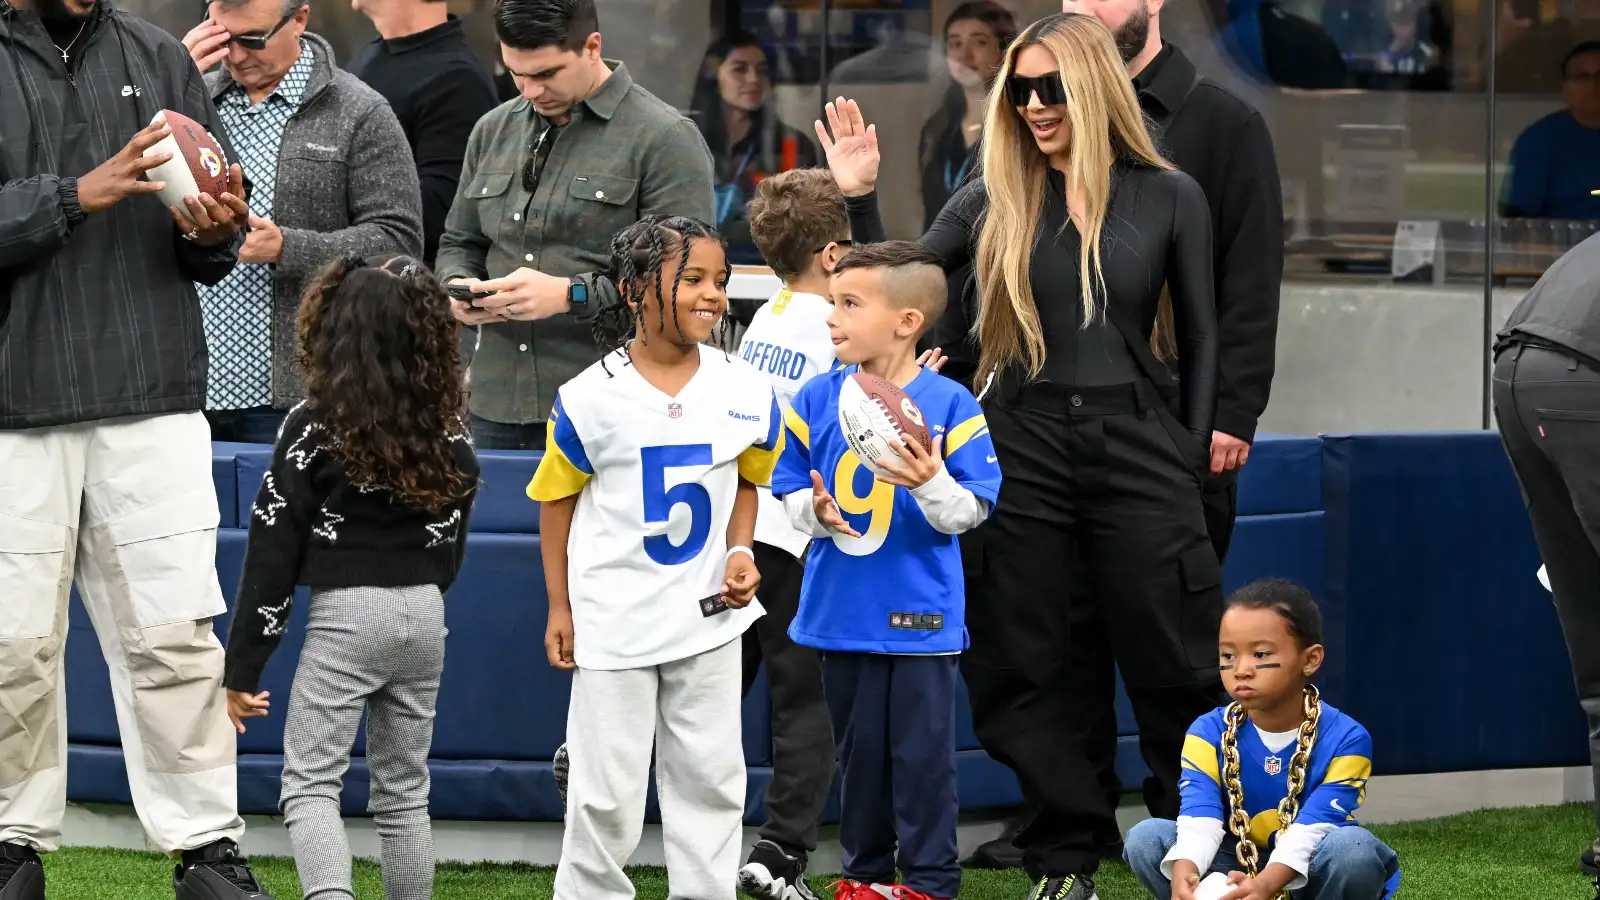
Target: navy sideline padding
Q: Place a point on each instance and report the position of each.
(1442, 642)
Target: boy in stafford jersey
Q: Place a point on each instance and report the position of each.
(883, 595)
(799, 222)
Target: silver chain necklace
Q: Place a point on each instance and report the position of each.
(68, 48)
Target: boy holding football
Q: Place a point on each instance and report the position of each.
(799, 222)
(883, 595)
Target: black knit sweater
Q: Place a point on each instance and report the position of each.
(310, 525)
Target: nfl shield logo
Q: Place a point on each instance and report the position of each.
(1273, 765)
(674, 410)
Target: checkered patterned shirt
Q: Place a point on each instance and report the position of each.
(238, 311)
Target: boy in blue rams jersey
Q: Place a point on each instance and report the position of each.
(883, 595)
(1282, 830)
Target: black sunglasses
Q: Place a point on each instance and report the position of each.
(259, 41)
(1049, 88)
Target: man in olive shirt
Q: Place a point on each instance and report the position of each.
(548, 179)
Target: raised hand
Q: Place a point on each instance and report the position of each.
(207, 44)
(851, 146)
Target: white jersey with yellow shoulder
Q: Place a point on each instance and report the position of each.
(788, 342)
(656, 477)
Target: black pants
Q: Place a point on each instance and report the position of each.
(1221, 498)
(802, 739)
(895, 717)
(1096, 557)
(1547, 405)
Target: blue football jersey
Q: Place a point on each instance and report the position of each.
(1336, 779)
(898, 588)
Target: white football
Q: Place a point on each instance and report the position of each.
(867, 427)
(1214, 886)
(198, 164)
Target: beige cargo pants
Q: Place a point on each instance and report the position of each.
(126, 508)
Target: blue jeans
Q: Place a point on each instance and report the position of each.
(256, 425)
(1350, 863)
(487, 435)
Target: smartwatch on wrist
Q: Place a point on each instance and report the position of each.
(577, 291)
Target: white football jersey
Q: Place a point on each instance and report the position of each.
(788, 342)
(656, 478)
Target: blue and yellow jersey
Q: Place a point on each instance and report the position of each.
(898, 588)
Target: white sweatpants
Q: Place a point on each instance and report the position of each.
(689, 711)
(125, 507)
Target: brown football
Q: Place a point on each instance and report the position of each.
(198, 164)
(900, 409)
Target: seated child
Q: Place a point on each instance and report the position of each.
(798, 220)
(648, 509)
(883, 595)
(1269, 648)
(366, 501)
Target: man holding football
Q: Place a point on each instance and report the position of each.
(104, 456)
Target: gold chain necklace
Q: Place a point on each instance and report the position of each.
(1239, 820)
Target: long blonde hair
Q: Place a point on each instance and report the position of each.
(1106, 124)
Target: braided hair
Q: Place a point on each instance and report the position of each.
(638, 259)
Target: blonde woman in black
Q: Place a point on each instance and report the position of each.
(1097, 554)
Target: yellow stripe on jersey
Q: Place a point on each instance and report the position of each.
(801, 430)
(1200, 756)
(756, 464)
(556, 478)
(964, 432)
(1350, 770)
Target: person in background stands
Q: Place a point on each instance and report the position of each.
(421, 63)
(330, 176)
(105, 473)
(547, 181)
(1555, 163)
(975, 39)
(1547, 406)
(732, 105)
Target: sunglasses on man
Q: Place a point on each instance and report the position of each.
(1051, 91)
(259, 41)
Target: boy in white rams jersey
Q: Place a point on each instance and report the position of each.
(648, 493)
(799, 222)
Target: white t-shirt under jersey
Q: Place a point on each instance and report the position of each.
(788, 342)
(656, 477)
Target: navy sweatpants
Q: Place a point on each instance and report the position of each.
(894, 721)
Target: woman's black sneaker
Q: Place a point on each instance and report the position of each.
(216, 872)
(21, 873)
(772, 874)
(1064, 887)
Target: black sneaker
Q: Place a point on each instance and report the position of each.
(21, 873)
(216, 872)
(1064, 887)
(560, 765)
(772, 874)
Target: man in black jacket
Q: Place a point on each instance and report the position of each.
(1547, 405)
(1223, 143)
(105, 474)
(421, 63)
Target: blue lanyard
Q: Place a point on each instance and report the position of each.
(952, 180)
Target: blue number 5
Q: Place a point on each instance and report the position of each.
(659, 501)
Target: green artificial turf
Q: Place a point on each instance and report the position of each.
(1515, 854)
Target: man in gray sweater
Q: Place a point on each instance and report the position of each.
(330, 173)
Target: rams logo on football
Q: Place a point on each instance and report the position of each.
(211, 161)
(910, 411)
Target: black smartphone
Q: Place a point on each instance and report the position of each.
(465, 294)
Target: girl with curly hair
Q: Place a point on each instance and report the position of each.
(366, 502)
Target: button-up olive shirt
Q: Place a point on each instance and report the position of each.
(624, 155)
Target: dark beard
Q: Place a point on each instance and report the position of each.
(1132, 35)
(55, 12)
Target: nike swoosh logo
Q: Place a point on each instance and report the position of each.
(1335, 804)
(994, 459)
